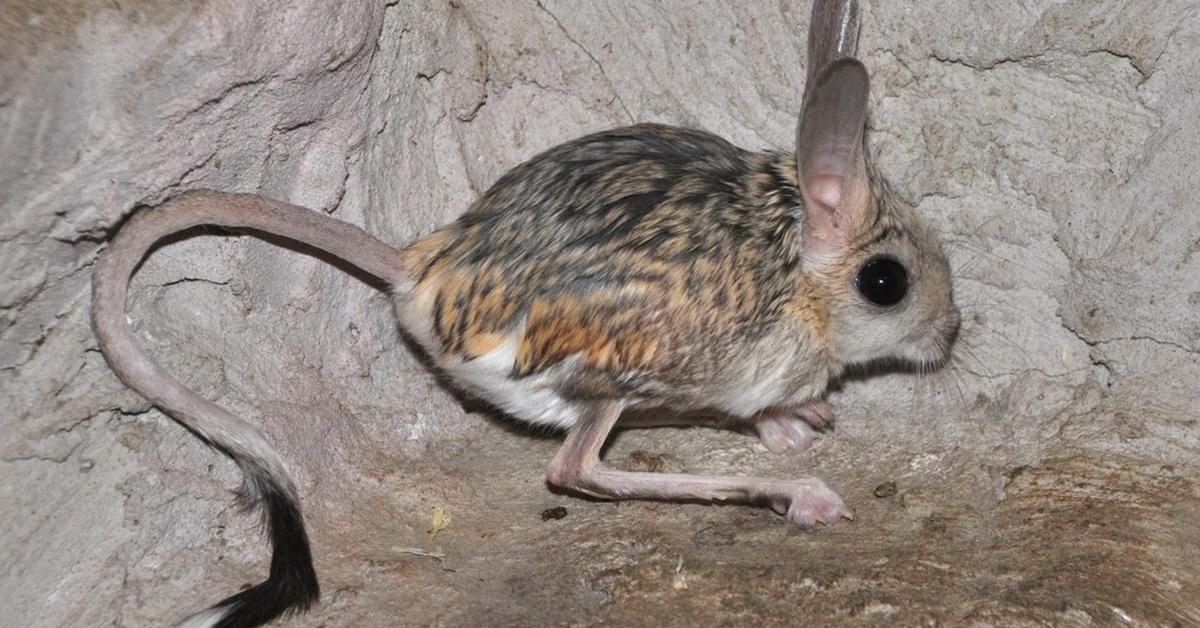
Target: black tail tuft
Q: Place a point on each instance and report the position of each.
(292, 585)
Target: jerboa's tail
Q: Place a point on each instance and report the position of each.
(292, 583)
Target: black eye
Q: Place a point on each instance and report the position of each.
(882, 281)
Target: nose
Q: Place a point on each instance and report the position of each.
(943, 328)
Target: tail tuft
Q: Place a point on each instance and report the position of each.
(292, 584)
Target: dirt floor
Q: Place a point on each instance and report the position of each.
(1049, 476)
(1082, 539)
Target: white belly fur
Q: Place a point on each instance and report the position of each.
(533, 399)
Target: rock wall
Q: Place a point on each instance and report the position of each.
(1053, 143)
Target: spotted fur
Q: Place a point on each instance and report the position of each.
(652, 263)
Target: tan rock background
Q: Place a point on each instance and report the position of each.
(1049, 476)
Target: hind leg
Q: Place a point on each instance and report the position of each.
(577, 467)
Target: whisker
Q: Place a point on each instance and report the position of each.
(987, 376)
(1023, 352)
(971, 353)
(974, 305)
(961, 269)
(962, 400)
(912, 397)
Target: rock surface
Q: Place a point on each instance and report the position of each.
(1049, 476)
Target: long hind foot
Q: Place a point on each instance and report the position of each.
(577, 467)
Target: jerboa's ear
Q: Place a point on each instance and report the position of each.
(832, 35)
(829, 139)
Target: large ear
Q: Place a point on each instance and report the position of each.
(832, 35)
(829, 139)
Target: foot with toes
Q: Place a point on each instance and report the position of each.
(808, 502)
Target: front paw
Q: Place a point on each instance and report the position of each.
(817, 413)
(790, 429)
(783, 434)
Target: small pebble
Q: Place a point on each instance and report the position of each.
(556, 513)
(887, 489)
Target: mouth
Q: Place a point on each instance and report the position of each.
(929, 358)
